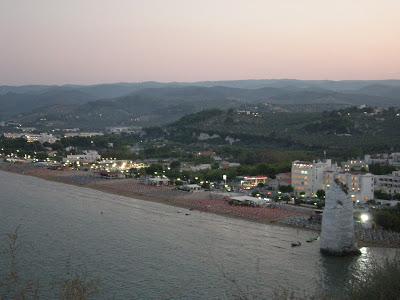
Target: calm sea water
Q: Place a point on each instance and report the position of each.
(144, 250)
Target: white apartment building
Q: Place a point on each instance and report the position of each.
(357, 165)
(11, 135)
(88, 156)
(124, 129)
(41, 138)
(392, 159)
(82, 134)
(361, 186)
(309, 177)
(30, 138)
(389, 184)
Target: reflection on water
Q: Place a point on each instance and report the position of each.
(336, 272)
(142, 250)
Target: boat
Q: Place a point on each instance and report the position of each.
(296, 244)
(310, 240)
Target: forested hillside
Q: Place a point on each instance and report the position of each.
(358, 129)
(152, 103)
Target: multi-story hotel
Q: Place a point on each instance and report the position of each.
(361, 186)
(309, 177)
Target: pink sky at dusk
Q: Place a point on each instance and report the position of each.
(95, 41)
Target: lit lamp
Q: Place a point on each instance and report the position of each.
(365, 219)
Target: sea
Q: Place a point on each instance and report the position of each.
(134, 249)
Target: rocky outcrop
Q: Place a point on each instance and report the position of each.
(337, 230)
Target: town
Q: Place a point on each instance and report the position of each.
(292, 194)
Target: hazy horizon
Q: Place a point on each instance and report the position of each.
(94, 42)
(188, 82)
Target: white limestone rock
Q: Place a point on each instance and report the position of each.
(337, 231)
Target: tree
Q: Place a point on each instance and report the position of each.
(286, 198)
(215, 166)
(153, 168)
(377, 169)
(389, 219)
(286, 188)
(176, 164)
(206, 185)
(382, 195)
(320, 194)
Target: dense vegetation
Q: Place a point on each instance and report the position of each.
(378, 169)
(19, 146)
(144, 104)
(388, 218)
(349, 132)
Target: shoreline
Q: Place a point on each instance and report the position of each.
(206, 202)
(201, 201)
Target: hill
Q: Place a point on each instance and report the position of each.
(349, 129)
(136, 109)
(153, 103)
(14, 103)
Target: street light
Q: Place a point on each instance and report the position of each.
(364, 218)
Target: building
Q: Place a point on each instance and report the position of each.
(281, 179)
(309, 177)
(206, 153)
(284, 179)
(88, 156)
(189, 187)
(27, 129)
(392, 159)
(10, 135)
(227, 165)
(157, 180)
(361, 187)
(247, 201)
(71, 130)
(82, 134)
(354, 165)
(196, 168)
(124, 129)
(41, 138)
(389, 184)
(249, 182)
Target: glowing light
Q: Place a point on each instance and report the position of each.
(364, 218)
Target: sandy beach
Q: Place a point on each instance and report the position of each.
(202, 201)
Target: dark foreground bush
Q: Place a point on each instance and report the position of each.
(388, 219)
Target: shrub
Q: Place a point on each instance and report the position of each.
(388, 219)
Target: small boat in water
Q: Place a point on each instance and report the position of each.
(310, 240)
(296, 244)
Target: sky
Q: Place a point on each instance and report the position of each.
(97, 41)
